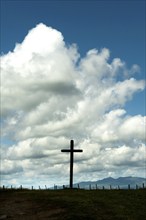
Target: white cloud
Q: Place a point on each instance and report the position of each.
(116, 126)
(51, 95)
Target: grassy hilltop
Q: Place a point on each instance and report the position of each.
(73, 204)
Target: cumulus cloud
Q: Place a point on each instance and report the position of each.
(51, 95)
(115, 126)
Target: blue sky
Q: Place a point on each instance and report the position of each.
(93, 92)
(117, 25)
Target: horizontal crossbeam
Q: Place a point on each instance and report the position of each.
(76, 150)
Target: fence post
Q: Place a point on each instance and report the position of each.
(128, 186)
(21, 187)
(143, 185)
(3, 187)
(103, 187)
(78, 186)
(118, 187)
(96, 186)
(32, 187)
(136, 186)
(110, 187)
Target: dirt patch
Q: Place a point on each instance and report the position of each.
(19, 206)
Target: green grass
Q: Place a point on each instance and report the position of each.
(85, 204)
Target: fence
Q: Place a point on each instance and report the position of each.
(78, 186)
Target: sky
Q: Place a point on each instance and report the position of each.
(72, 70)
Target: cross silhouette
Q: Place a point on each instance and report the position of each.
(71, 150)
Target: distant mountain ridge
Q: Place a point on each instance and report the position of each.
(121, 182)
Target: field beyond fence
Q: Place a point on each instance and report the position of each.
(77, 186)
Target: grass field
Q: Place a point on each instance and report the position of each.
(73, 204)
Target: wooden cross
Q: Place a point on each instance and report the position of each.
(71, 150)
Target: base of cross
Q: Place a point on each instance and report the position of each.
(74, 189)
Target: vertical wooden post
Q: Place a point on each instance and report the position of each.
(71, 150)
(71, 163)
